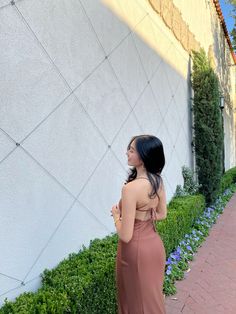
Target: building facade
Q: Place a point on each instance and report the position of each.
(79, 79)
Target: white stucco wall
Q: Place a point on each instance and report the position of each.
(79, 79)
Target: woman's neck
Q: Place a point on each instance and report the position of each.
(141, 172)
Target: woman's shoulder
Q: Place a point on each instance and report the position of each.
(133, 186)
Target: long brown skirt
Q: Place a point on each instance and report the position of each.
(140, 270)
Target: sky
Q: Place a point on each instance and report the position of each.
(226, 13)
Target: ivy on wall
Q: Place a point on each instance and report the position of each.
(209, 136)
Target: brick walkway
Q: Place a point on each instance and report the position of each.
(210, 286)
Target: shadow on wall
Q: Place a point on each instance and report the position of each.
(80, 105)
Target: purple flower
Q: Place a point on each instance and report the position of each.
(172, 255)
(189, 248)
(178, 250)
(168, 272)
(178, 258)
(210, 209)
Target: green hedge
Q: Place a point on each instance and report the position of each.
(208, 139)
(43, 301)
(228, 178)
(182, 213)
(85, 281)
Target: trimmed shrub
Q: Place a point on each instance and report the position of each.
(208, 138)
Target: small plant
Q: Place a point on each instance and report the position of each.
(190, 187)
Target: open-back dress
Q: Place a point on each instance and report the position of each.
(140, 269)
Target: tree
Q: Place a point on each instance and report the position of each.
(208, 131)
(233, 15)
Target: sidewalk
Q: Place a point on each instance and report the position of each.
(210, 286)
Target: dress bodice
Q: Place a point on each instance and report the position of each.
(152, 210)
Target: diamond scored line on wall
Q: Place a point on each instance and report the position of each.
(121, 86)
(140, 59)
(6, 292)
(163, 117)
(88, 115)
(140, 95)
(66, 213)
(158, 26)
(59, 72)
(101, 44)
(171, 154)
(140, 62)
(7, 155)
(125, 14)
(58, 182)
(94, 70)
(185, 116)
(174, 140)
(23, 283)
(178, 133)
(136, 102)
(3, 6)
(10, 277)
(112, 68)
(72, 91)
(10, 139)
(173, 93)
(125, 37)
(57, 227)
(8, 3)
(165, 54)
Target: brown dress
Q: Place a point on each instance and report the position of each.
(140, 270)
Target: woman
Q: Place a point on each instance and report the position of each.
(141, 256)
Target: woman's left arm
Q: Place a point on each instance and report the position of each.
(125, 226)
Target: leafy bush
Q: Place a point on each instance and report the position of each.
(85, 281)
(208, 138)
(44, 301)
(228, 178)
(181, 215)
(190, 187)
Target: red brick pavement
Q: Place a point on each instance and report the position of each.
(210, 286)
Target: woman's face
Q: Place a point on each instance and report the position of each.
(133, 157)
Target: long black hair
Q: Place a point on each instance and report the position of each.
(151, 152)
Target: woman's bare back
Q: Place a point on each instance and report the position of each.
(144, 203)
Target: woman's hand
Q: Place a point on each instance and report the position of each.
(115, 211)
